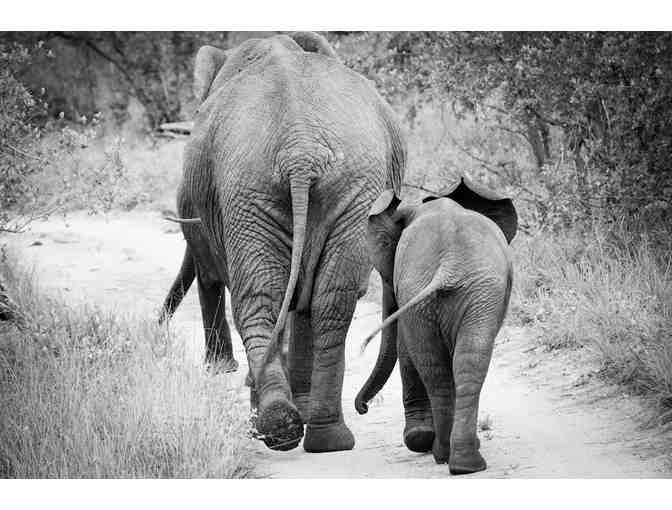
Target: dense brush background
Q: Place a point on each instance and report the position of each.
(576, 127)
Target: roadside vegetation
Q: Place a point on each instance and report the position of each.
(87, 393)
(608, 289)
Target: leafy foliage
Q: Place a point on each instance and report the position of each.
(154, 68)
(18, 132)
(607, 96)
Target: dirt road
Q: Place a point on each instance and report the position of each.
(539, 417)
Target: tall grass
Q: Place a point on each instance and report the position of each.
(86, 393)
(608, 288)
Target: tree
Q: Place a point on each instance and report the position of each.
(608, 94)
(154, 67)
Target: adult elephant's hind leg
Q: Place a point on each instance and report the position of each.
(301, 362)
(333, 304)
(218, 347)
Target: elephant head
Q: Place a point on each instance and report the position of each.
(214, 66)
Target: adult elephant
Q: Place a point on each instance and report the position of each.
(289, 150)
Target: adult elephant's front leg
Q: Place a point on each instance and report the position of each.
(218, 347)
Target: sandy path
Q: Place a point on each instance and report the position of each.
(544, 421)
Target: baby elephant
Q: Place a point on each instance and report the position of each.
(447, 275)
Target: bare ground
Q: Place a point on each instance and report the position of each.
(542, 414)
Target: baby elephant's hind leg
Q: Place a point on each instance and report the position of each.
(431, 359)
(471, 358)
(419, 428)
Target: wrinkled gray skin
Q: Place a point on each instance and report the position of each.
(289, 150)
(447, 277)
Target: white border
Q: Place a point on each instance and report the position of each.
(336, 15)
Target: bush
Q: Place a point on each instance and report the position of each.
(86, 393)
(31, 145)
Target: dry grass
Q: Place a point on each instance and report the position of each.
(114, 173)
(85, 393)
(608, 289)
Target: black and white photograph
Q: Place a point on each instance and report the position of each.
(336, 254)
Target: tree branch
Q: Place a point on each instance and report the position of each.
(89, 43)
(96, 49)
(486, 164)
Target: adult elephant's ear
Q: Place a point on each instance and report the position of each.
(315, 43)
(485, 201)
(209, 61)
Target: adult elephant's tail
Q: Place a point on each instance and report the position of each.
(387, 356)
(299, 192)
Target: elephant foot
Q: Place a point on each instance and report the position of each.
(302, 402)
(328, 438)
(279, 425)
(419, 438)
(465, 459)
(222, 366)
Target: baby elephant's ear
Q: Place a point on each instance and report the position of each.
(386, 202)
(485, 201)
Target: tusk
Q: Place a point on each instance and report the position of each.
(182, 220)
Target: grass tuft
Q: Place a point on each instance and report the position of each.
(608, 289)
(87, 393)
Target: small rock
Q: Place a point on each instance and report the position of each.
(37, 243)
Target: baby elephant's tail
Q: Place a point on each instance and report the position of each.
(436, 284)
(387, 356)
